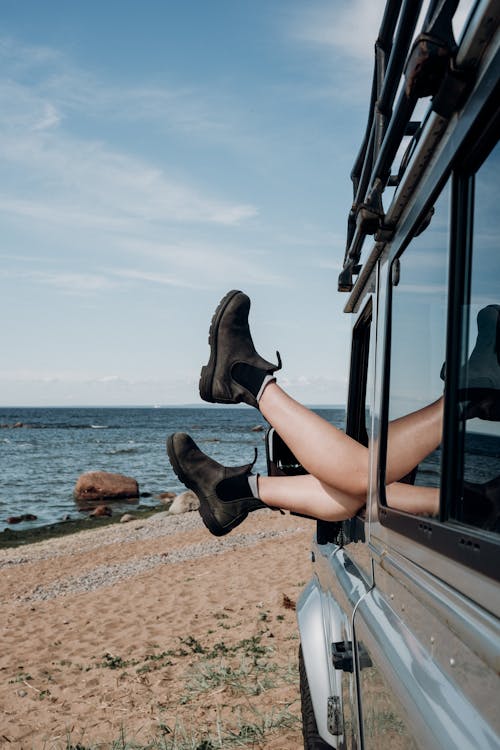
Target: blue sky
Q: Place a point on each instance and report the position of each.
(155, 155)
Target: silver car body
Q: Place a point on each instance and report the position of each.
(401, 637)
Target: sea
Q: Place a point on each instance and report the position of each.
(42, 457)
(43, 451)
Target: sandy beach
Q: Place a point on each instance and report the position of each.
(154, 634)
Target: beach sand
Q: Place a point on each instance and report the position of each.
(155, 633)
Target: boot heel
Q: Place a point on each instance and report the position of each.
(205, 385)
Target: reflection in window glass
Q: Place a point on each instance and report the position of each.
(418, 337)
(480, 504)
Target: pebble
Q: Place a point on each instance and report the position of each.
(107, 575)
(159, 525)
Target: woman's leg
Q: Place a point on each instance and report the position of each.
(336, 459)
(338, 466)
(236, 373)
(412, 498)
(411, 438)
(307, 495)
(228, 494)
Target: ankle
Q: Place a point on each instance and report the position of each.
(253, 483)
(239, 487)
(253, 379)
(267, 381)
(267, 397)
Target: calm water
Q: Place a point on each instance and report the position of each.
(41, 461)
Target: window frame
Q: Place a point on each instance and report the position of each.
(358, 375)
(362, 339)
(475, 548)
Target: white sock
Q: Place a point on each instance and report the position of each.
(253, 484)
(268, 379)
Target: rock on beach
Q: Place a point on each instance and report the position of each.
(104, 485)
(184, 502)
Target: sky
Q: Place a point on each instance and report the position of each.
(156, 154)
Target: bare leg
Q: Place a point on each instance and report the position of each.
(413, 499)
(307, 495)
(411, 438)
(336, 459)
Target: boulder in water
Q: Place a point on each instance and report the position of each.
(166, 496)
(19, 519)
(104, 485)
(101, 511)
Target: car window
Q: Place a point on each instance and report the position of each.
(418, 327)
(478, 502)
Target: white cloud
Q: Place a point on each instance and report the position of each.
(49, 119)
(52, 174)
(195, 271)
(181, 265)
(155, 277)
(19, 57)
(197, 265)
(67, 282)
(349, 28)
(57, 83)
(76, 283)
(90, 183)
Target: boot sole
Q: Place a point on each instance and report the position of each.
(206, 514)
(208, 371)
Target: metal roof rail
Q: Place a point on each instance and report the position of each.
(424, 67)
(478, 52)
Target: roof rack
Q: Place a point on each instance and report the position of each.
(428, 70)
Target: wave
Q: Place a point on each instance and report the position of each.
(118, 451)
(62, 426)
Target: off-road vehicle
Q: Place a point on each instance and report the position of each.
(399, 624)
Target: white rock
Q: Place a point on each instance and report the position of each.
(127, 517)
(184, 502)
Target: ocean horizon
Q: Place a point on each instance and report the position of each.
(45, 449)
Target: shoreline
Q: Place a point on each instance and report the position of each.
(11, 538)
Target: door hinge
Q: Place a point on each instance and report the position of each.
(334, 720)
(342, 656)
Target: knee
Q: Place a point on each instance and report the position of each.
(357, 487)
(345, 506)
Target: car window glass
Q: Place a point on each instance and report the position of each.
(418, 327)
(479, 504)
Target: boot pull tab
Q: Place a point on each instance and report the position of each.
(278, 357)
(251, 465)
